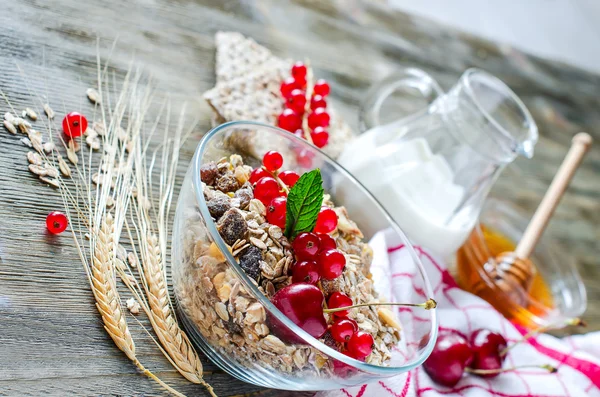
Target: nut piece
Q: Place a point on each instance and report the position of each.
(133, 306)
(387, 317)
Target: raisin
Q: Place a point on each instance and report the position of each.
(232, 326)
(227, 183)
(245, 195)
(232, 226)
(218, 206)
(250, 261)
(209, 172)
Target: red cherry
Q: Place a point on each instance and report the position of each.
(297, 101)
(306, 246)
(289, 178)
(321, 88)
(341, 369)
(276, 212)
(56, 222)
(257, 174)
(331, 264)
(266, 189)
(360, 345)
(305, 272)
(74, 124)
(320, 137)
(299, 71)
(449, 358)
(326, 221)
(272, 160)
(487, 346)
(317, 101)
(303, 304)
(326, 242)
(289, 120)
(342, 329)
(318, 118)
(337, 299)
(288, 86)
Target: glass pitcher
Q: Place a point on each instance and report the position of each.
(432, 170)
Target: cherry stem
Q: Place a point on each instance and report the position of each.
(547, 367)
(569, 322)
(309, 92)
(279, 181)
(428, 305)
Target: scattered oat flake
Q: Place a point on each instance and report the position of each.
(49, 112)
(38, 169)
(34, 158)
(93, 142)
(110, 202)
(10, 127)
(26, 142)
(9, 117)
(71, 155)
(73, 144)
(48, 147)
(132, 260)
(98, 126)
(51, 171)
(29, 112)
(64, 167)
(93, 95)
(50, 181)
(133, 306)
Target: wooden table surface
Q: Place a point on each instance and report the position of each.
(51, 340)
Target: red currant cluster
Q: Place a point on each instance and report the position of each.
(295, 90)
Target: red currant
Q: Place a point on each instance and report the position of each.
(326, 242)
(299, 133)
(289, 178)
(297, 101)
(272, 160)
(321, 88)
(320, 137)
(266, 189)
(337, 299)
(360, 345)
(331, 264)
(74, 124)
(306, 246)
(299, 71)
(317, 101)
(304, 158)
(276, 212)
(318, 118)
(56, 222)
(288, 86)
(257, 174)
(341, 330)
(326, 221)
(289, 120)
(305, 272)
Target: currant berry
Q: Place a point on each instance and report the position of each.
(257, 174)
(305, 272)
(331, 264)
(326, 221)
(320, 137)
(289, 178)
(56, 222)
(289, 120)
(266, 190)
(305, 158)
(317, 101)
(318, 118)
(326, 242)
(272, 160)
(306, 246)
(337, 299)
(341, 330)
(276, 212)
(74, 124)
(288, 86)
(360, 345)
(297, 101)
(321, 88)
(299, 71)
(299, 133)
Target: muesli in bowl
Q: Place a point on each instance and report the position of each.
(267, 258)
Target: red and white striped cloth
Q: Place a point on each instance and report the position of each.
(577, 358)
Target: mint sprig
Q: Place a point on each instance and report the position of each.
(304, 203)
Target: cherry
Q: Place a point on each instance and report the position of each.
(266, 189)
(321, 88)
(320, 137)
(74, 124)
(272, 160)
(303, 304)
(341, 369)
(305, 272)
(337, 299)
(289, 120)
(341, 330)
(487, 347)
(317, 101)
(331, 264)
(326, 221)
(297, 101)
(289, 178)
(257, 174)
(449, 358)
(306, 246)
(276, 212)
(299, 71)
(326, 242)
(288, 86)
(318, 118)
(360, 345)
(56, 222)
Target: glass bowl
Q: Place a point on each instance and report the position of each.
(557, 292)
(208, 286)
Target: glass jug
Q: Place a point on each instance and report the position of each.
(432, 170)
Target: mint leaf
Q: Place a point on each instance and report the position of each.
(304, 203)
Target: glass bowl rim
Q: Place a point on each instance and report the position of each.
(262, 299)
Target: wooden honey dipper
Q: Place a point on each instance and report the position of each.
(514, 268)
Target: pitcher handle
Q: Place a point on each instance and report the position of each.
(370, 107)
